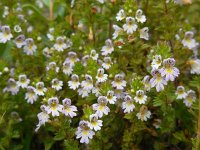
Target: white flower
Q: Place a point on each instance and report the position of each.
(146, 82)
(40, 89)
(94, 55)
(144, 113)
(190, 98)
(139, 16)
(23, 81)
(50, 36)
(72, 58)
(128, 105)
(119, 93)
(12, 87)
(140, 97)
(96, 89)
(67, 68)
(83, 92)
(108, 48)
(157, 61)
(74, 83)
(95, 123)
(17, 28)
(84, 132)
(120, 15)
(180, 92)
(195, 66)
(87, 83)
(29, 47)
(188, 40)
(68, 109)
(84, 60)
(100, 108)
(52, 66)
(43, 117)
(117, 31)
(5, 34)
(144, 33)
(30, 95)
(130, 25)
(169, 71)
(119, 82)
(19, 41)
(54, 107)
(111, 97)
(101, 1)
(60, 44)
(101, 77)
(107, 63)
(157, 81)
(56, 84)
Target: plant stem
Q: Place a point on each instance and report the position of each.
(198, 125)
(51, 10)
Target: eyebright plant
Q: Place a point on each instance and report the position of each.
(99, 74)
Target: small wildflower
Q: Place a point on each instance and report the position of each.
(60, 44)
(130, 25)
(195, 66)
(119, 82)
(74, 83)
(54, 107)
(120, 15)
(144, 33)
(17, 28)
(19, 41)
(96, 89)
(128, 105)
(146, 82)
(94, 55)
(108, 48)
(100, 108)
(56, 84)
(157, 81)
(12, 87)
(95, 123)
(72, 58)
(190, 98)
(30, 95)
(84, 132)
(84, 60)
(68, 109)
(52, 66)
(188, 40)
(144, 113)
(83, 92)
(29, 47)
(139, 16)
(23, 81)
(157, 61)
(140, 97)
(101, 77)
(169, 71)
(180, 92)
(107, 63)
(40, 89)
(117, 31)
(5, 34)
(87, 83)
(111, 97)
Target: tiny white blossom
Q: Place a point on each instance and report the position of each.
(117, 31)
(146, 82)
(139, 16)
(144, 33)
(29, 47)
(56, 84)
(12, 87)
(144, 113)
(101, 107)
(68, 109)
(67, 68)
(157, 61)
(17, 28)
(54, 107)
(72, 58)
(19, 41)
(120, 15)
(188, 40)
(157, 81)
(119, 82)
(74, 83)
(180, 92)
(96, 89)
(60, 44)
(23, 81)
(95, 123)
(94, 55)
(40, 89)
(130, 25)
(190, 98)
(5, 34)
(107, 63)
(87, 83)
(128, 105)
(52, 66)
(108, 48)
(83, 92)
(84, 60)
(169, 71)
(111, 97)
(30, 95)
(140, 97)
(195, 66)
(101, 77)
(84, 132)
